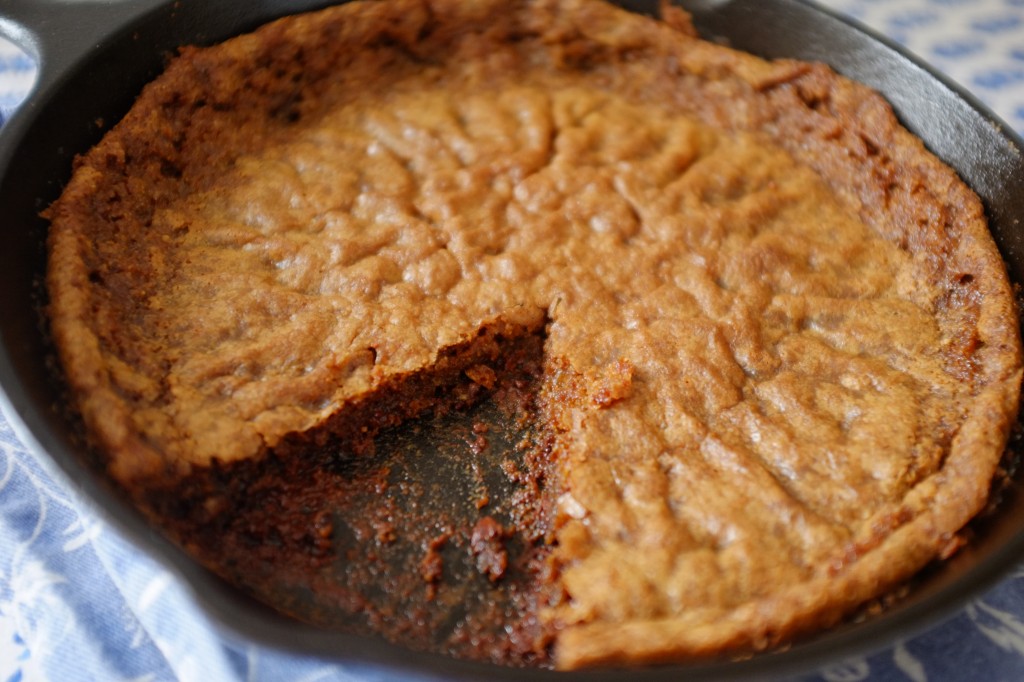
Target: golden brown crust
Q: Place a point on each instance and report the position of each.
(793, 342)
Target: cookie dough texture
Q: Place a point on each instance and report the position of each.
(793, 344)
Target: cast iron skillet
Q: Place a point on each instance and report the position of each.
(94, 57)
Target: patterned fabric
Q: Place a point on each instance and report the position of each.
(17, 73)
(978, 43)
(78, 602)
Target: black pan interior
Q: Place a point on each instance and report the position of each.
(88, 84)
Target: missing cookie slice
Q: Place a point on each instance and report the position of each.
(423, 515)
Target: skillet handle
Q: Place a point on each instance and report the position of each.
(57, 33)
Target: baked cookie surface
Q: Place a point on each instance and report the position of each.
(781, 348)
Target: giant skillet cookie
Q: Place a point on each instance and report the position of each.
(781, 355)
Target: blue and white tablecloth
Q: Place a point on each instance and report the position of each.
(77, 602)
